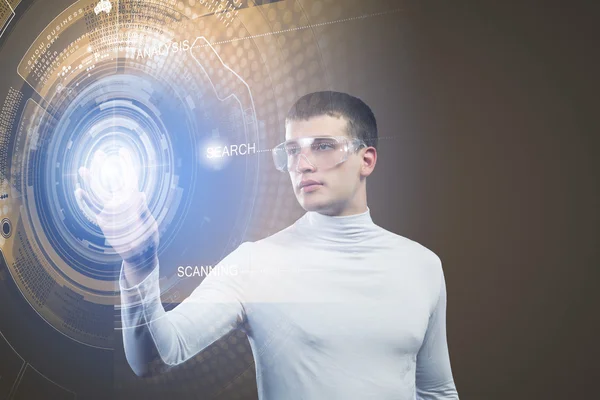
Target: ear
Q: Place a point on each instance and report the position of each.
(368, 161)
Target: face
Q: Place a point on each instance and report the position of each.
(340, 190)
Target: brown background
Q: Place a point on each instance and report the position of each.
(497, 173)
(493, 165)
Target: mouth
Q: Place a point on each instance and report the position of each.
(309, 186)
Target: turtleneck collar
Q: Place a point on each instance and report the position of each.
(343, 229)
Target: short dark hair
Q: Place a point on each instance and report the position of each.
(361, 120)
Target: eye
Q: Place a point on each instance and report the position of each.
(291, 151)
(324, 146)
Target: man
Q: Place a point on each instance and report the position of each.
(334, 306)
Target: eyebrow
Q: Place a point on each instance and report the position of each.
(291, 143)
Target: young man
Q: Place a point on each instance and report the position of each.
(334, 306)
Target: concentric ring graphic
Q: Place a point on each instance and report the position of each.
(186, 98)
(98, 100)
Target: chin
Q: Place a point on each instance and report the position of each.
(314, 204)
(310, 206)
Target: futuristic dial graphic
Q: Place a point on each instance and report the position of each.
(194, 92)
(100, 78)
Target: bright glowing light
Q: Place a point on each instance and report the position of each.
(210, 159)
(112, 174)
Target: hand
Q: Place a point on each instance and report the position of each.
(123, 214)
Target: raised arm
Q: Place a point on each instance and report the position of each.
(434, 379)
(152, 335)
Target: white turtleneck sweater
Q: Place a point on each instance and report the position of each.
(334, 308)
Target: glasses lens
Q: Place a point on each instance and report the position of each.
(328, 152)
(323, 153)
(280, 157)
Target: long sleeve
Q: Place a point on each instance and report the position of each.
(434, 380)
(214, 308)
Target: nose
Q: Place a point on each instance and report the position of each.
(304, 164)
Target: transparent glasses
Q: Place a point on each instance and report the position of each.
(322, 152)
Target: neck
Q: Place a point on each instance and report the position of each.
(351, 228)
(356, 205)
(361, 209)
